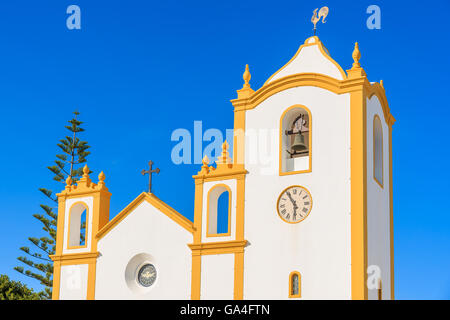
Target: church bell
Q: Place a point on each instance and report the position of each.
(299, 143)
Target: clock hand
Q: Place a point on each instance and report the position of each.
(290, 198)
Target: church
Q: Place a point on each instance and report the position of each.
(320, 227)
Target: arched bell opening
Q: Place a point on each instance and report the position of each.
(295, 140)
(219, 211)
(78, 219)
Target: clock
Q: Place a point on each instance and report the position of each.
(294, 204)
(146, 275)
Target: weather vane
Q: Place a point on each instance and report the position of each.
(323, 12)
(150, 171)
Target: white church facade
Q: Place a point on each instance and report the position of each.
(312, 230)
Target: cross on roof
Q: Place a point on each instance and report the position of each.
(149, 172)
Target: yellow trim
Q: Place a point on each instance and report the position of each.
(75, 258)
(391, 216)
(377, 89)
(380, 183)
(228, 233)
(358, 173)
(86, 229)
(280, 163)
(348, 85)
(291, 275)
(196, 276)
(56, 280)
(221, 247)
(236, 174)
(240, 207)
(196, 259)
(318, 43)
(154, 201)
(239, 275)
(278, 201)
(59, 247)
(91, 280)
(239, 256)
(239, 137)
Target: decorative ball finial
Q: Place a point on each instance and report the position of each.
(85, 170)
(69, 181)
(225, 146)
(356, 56)
(246, 76)
(224, 158)
(101, 176)
(205, 161)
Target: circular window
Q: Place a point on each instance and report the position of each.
(146, 275)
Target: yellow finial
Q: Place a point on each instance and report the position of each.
(85, 170)
(205, 161)
(356, 56)
(101, 176)
(225, 146)
(69, 181)
(205, 165)
(224, 157)
(382, 84)
(246, 76)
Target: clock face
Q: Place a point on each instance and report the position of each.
(147, 275)
(294, 204)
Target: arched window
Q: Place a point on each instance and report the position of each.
(78, 218)
(295, 140)
(295, 284)
(378, 150)
(219, 211)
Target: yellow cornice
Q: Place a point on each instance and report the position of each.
(232, 174)
(75, 258)
(222, 247)
(355, 82)
(154, 201)
(296, 80)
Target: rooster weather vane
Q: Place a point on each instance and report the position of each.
(323, 12)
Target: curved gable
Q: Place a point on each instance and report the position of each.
(311, 57)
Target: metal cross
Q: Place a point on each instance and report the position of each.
(150, 171)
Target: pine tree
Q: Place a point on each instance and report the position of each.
(68, 163)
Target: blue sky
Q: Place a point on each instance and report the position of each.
(137, 70)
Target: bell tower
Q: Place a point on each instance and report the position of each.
(218, 257)
(83, 206)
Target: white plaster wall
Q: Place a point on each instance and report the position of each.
(149, 231)
(319, 246)
(73, 284)
(89, 202)
(217, 277)
(310, 60)
(378, 204)
(206, 187)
